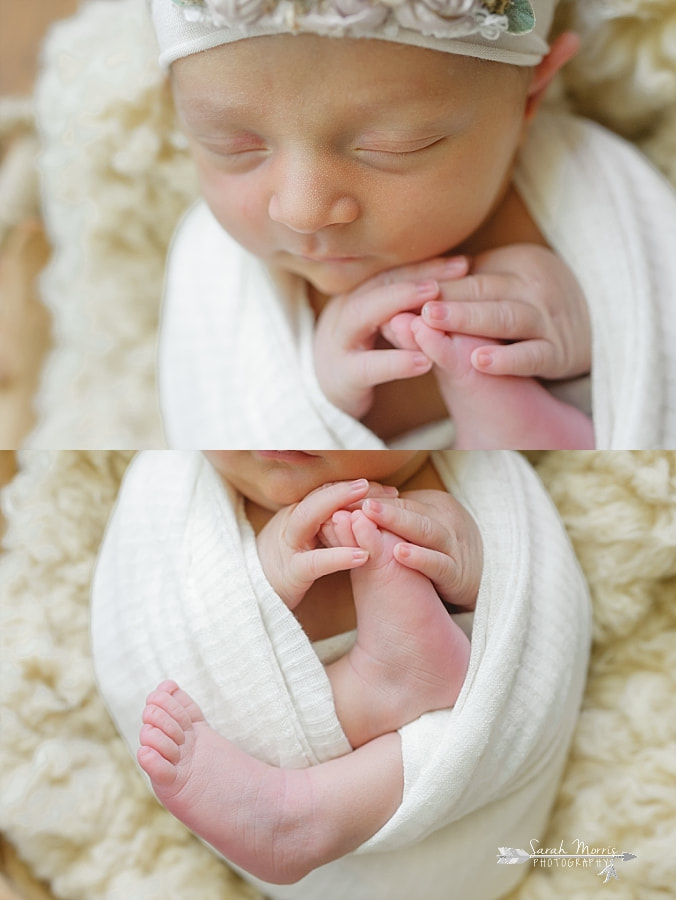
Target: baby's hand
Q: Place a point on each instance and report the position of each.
(523, 295)
(290, 550)
(350, 356)
(440, 539)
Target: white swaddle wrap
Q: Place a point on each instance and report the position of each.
(179, 592)
(236, 359)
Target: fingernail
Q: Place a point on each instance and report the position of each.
(359, 485)
(390, 490)
(360, 555)
(456, 265)
(427, 289)
(435, 312)
(373, 506)
(422, 362)
(483, 359)
(403, 550)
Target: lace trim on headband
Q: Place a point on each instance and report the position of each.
(438, 18)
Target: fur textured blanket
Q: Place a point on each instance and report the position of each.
(78, 810)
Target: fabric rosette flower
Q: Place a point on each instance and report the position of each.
(450, 18)
(438, 18)
(235, 12)
(341, 15)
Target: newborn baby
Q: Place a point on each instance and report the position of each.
(280, 631)
(409, 657)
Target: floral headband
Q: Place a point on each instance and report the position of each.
(512, 31)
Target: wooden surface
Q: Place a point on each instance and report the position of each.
(24, 23)
(24, 324)
(24, 329)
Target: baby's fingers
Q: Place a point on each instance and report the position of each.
(408, 523)
(363, 313)
(307, 519)
(441, 269)
(307, 567)
(501, 319)
(442, 570)
(526, 358)
(373, 367)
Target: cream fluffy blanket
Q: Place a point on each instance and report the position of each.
(240, 372)
(78, 810)
(179, 592)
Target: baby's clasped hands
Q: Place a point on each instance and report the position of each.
(528, 298)
(350, 359)
(291, 552)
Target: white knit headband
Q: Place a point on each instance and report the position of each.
(509, 31)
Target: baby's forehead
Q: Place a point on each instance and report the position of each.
(344, 69)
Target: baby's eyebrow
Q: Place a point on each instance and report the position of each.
(214, 108)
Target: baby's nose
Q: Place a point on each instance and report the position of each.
(308, 198)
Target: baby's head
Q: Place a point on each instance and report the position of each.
(277, 478)
(338, 157)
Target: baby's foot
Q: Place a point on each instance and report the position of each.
(410, 657)
(499, 411)
(208, 783)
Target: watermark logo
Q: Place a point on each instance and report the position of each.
(583, 857)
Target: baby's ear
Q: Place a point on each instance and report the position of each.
(562, 50)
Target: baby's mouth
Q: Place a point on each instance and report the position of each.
(289, 456)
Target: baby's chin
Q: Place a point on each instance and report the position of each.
(334, 278)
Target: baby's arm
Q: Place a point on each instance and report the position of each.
(277, 824)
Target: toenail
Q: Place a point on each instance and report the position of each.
(483, 359)
(420, 361)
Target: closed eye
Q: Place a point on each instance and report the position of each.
(234, 152)
(399, 148)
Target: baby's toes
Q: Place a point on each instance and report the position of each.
(160, 718)
(157, 767)
(161, 742)
(186, 703)
(171, 705)
(342, 524)
(445, 350)
(399, 333)
(370, 538)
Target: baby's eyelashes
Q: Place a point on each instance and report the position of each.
(398, 148)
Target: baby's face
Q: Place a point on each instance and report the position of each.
(337, 159)
(277, 478)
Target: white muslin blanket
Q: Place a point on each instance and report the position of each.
(179, 592)
(236, 364)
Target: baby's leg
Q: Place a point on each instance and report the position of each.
(276, 824)
(499, 411)
(410, 657)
